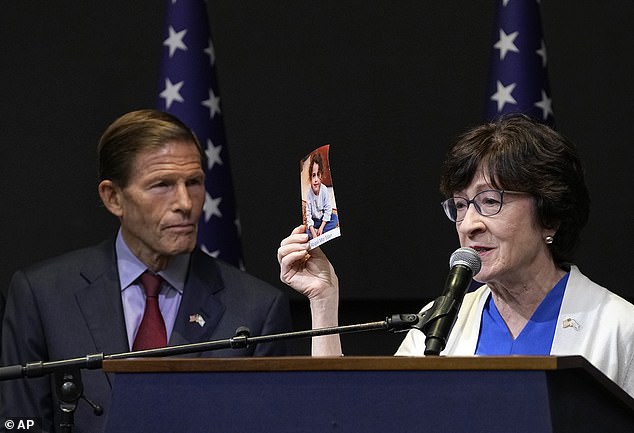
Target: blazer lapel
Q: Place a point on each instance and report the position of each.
(100, 301)
(200, 309)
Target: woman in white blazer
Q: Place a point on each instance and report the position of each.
(516, 193)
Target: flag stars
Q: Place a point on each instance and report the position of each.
(506, 43)
(542, 53)
(211, 207)
(175, 40)
(503, 95)
(188, 88)
(214, 254)
(171, 92)
(213, 103)
(546, 105)
(211, 53)
(518, 80)
(213, 155)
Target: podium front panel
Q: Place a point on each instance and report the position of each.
(338, 401)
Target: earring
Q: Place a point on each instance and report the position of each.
(549, 239)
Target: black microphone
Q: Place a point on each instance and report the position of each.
(438, 321)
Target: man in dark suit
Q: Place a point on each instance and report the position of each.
(94, 301)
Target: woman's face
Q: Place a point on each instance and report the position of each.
(510, 243)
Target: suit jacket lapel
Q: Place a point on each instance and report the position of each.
(200, 309)
(100, 301)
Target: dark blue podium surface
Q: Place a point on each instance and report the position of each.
(366, 394)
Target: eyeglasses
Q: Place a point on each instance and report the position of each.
(486, 203)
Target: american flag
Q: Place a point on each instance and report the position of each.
(188, 89)
(518, 74)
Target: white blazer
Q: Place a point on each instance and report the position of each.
(593, 322)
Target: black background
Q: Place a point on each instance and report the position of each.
(388, 84)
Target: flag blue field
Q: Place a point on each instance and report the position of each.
(188, 89)
(518, 70)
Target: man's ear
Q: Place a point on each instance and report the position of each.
(110, 195)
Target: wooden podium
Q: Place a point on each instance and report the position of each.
(366, 395)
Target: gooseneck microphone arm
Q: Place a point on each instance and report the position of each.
(438, 321)
(241, 339)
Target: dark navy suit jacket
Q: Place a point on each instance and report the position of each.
(70, 306)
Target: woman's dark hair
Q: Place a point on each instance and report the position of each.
(520, 154)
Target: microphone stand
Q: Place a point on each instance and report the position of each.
(68, 371)
(437, 322)
(69, 390)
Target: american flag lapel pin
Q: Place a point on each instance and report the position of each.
(571, 323)
(197, 318)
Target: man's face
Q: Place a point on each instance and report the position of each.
(160, 207)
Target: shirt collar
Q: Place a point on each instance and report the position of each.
(130, 267)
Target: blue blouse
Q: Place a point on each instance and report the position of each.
(537, 336)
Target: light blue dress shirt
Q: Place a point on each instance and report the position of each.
(133, 295)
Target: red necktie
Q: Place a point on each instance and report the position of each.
(151, 333)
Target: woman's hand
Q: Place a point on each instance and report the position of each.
(312, 275)
(309, 273)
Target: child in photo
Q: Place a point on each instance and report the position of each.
(319, 215)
